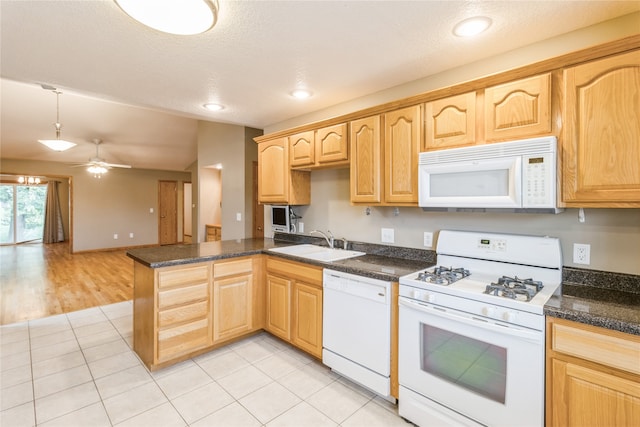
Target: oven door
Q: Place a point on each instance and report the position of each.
(487, 371)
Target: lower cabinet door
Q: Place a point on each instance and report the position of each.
(232, 306)
(307, 318)
(587, 397)
(279, 306)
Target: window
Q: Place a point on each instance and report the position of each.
(22, 209)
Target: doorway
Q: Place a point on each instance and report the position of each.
(168, 212)
(22, 211)
(187, 216)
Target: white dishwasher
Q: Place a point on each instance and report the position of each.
(356, 332)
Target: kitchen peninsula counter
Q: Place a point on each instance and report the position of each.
(381, 262)
(607, 300)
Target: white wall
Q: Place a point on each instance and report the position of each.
(614, 234)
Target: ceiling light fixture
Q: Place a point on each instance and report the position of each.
(97, 171)
(472, 26)
(182, 17)
(301, 94)
(213, 106)
(29, 180)
(56, 144)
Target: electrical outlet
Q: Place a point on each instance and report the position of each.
(386, 235)
(301, 227)
(428, 239)
(581, 253)
(131, 235)
(115, 236)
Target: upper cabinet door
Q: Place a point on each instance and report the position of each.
(402, 137)
(601, 136)
(518, 109)
(450, 122)
(365, 170)
(301, 149)
(332, 144)
(273, 171)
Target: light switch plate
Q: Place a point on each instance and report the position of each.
(238, 216)
(386, 235)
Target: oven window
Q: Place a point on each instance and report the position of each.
(466, 362)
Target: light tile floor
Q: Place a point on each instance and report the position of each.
(78, 369)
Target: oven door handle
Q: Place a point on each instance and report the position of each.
(534, 337)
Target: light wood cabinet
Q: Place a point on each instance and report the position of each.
(302, 149)
(391, 163)
(321, 148)
(593, 376)
(233, 284)
(276, 182)
(518, 109)
(365, 172)
(306, 319)
(172, 311)
(294, 303)
(212, 233)
(184, 310)
(278, 306)
(402, 139)
(450, 122)
(601, 134)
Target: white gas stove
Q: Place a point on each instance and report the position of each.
(503, 277)
(469, 325)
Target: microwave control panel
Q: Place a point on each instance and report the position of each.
(539, 187)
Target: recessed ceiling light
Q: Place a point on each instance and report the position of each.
(301, 94)
(472, 26)
(183, 17)
(213, 107)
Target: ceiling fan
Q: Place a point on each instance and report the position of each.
(98, 165)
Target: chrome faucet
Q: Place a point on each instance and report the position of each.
(328, 238)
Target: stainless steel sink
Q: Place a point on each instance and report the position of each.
(318, 253)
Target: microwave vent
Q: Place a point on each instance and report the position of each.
(527, 147)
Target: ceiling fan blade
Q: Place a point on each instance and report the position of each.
(114, 165)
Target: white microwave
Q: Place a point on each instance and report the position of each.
(515, 176)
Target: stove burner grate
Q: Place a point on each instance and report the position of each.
(514, 288)
(443, 275)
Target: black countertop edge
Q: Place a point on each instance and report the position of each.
(560, 307)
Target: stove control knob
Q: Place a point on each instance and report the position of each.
(488, 311)
(510, 316)
(416, 294)
(430, 298)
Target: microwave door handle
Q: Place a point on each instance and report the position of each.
(471, 321)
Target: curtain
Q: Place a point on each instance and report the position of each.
(53, 231)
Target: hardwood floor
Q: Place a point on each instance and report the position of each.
(39, 280)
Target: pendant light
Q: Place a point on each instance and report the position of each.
(56, 144)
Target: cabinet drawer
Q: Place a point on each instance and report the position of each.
(229, 268)
(176, 296)
(182, 314)
(307, 273)
(183, 339)
(183, 276)
(599, 347)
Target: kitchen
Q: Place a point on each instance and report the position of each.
(610, 232)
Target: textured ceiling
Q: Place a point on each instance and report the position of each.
(142, 91)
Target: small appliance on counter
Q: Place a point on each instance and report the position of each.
(284, 219)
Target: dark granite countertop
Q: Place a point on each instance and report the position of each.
(607, 300)
(381, 262)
